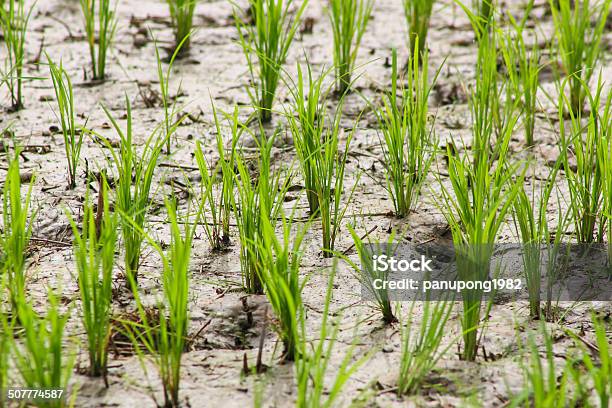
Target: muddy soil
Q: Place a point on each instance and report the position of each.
(220, 313)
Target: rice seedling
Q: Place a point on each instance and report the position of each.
(181, 12)
(579, 42)
(313, 362)
(94, 250)
(267, 41)
(17, 221)
(483, 192)
(166, 342)
(14, 18)
(100, 38)
(280, 267)
(256, 201)
(523, 70)
(409, 141)
(418, 14)
(585, 183)
(349, 20)
(170, 109)
(133, 187)
(322, 163)
(367, 274)
(73, 137)
(530, 218)
(307, 124)
(218, 230)
(543, 386)
(421, 346)
(38, 353)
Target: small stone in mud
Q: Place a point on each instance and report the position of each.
(45, 98)
(388, 349)
(140, 41)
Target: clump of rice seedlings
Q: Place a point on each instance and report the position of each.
(267, 41)
(530, 218)
(543, 386)
(349, 20)
(307, 124)
(280, 269)
(418, 14)
(312, 363)
(133, 188)
(170, 109)
(256, 200)
(17, 221)
(94, 250)
(14, 20)
(322, 162)
(218, 229)
(484, 188)
(181, 12)
(523, 69)
(579, 42)
(73, 137)
(585, 183)
(38, 353)
(367, 274)
(421, 346)
(409, 141)
(99, 38)
(166, 342)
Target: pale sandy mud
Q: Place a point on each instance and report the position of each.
(215, 69)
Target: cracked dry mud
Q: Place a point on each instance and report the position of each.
(224, 326)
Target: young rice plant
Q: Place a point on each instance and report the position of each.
(321, 161)
(484, 188)
(133, 188)
(523, 69)
(220, 205)
(39, 354)
(349, 19)
(181, 12)
(170, 109)
(73, 137)
(307, 123)
(367, 274)
(583, 139)
(257, 201)
(268, 40)
(418, 14)
(280, 274)
(166, 342)
(543, 386)
(94, 251)
(14, 20)
(409, 142)
(99, 38)
(421, 346)
(17, 221)
(530, 218)
(314, 361)
(579, 42)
